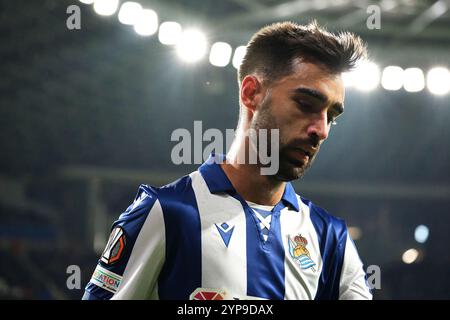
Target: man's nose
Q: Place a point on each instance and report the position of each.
(319, 126)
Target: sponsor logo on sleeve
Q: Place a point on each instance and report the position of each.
(106, 279)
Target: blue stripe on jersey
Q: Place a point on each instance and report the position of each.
(181, 273)
(131, 221)
(332, 235)
(265, 261)
(94, 292)
(89, 296)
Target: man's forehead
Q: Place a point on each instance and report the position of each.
(314, 76)
(304, 70)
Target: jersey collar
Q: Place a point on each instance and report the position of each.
(217, 181)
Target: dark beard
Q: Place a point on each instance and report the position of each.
(289, 168)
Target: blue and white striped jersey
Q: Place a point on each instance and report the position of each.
(197, 232)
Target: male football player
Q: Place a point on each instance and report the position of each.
(229, 231)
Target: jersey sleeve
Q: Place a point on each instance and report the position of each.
(353, 282)
(133, 257)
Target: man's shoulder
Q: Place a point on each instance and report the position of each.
(174, 194)
(172, 189)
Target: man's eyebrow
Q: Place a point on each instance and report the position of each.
(338, 107)
(312, 93)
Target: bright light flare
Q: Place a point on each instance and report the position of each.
(169, 32)
(106, 7)
(130, 12)
(413, 80)
(410, 256)
(147, 23)
(239, 54)
(421, 233)
(365, 77)
(438, 80)
(220, 54)
(192, 45)
(392, 78)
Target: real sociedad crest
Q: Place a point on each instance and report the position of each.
(298, 251)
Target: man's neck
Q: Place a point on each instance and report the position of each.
(251, 185)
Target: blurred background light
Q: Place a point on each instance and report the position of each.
(355, 233)
(438, 80)
(392, 78)
(413, 80)
(410, 256)
(220, 54)
(348, 78)
(130, 12)
(367, 76)
(239, 54)
(421, 233)
(192, 45)
(147, 23)
(87, 1)
(169, 32)
(106, 7)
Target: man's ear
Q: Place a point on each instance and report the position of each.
(250, 92)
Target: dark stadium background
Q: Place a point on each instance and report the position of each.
(86, 116)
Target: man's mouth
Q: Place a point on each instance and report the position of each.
(300, 155)
(306, 152)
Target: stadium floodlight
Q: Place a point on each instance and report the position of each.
(421, 233)
(87, 1)
(106, 7)
(239, 54)
(220, 54)
(147, 23)
(349, 79)
(366, 76)
(410, 255)
(192, 45)
(392, 78)
(438, 80)
(169, 32)
(413, 80)
(129, 12)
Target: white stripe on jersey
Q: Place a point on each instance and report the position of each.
(300, 284)
(146, 260)
(222, 267)
(353, 284)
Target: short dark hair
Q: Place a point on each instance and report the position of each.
(272, 50)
